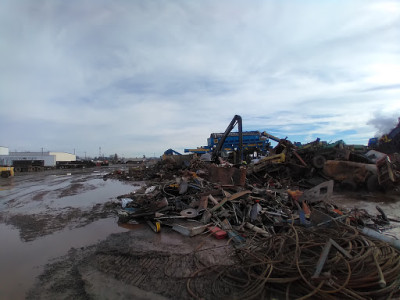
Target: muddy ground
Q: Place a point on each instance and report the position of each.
(62, 241)
(133, 265)
(40, 204)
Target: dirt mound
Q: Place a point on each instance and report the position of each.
(120, 265)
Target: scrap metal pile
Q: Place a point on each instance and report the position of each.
(352, 167)
(300, 263)
(287, 240)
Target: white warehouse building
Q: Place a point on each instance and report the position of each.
(4, 150)
(50, 159)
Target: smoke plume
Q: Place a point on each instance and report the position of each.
(383, 124)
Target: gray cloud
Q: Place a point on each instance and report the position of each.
(383, 87)
(383, 124)
(154, 75)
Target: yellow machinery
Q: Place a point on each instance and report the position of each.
(277, 158)
(6, 172)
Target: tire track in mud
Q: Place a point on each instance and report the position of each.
(133, 265)
(74, 189)
(40, 195)
(130, 269)
(156, 272)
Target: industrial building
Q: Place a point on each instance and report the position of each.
(49, 159)
(4, 150)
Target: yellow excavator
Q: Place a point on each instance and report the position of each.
(6, 172)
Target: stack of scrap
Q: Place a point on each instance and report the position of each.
(315, 263)
(289, 241)
(352, 166)
(222, 195)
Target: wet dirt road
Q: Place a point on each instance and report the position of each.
(44, 215)
(60, 240)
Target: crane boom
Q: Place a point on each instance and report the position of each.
(217, 151)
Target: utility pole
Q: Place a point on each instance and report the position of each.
(99, 152)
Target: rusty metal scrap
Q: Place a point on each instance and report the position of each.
(284, 266)
(347, 170)
(277, 227)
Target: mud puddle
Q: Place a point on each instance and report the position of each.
(47, 215)
(49, 209)
(22, 262)
(54, 194)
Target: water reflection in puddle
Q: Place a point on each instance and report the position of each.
(21, 262)
(131, 226)
(58, 195)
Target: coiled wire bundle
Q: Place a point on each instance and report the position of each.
(284, 266)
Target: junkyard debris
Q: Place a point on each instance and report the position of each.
(288, 236)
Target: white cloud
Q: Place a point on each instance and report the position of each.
(140, 76)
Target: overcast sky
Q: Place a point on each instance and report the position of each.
(139, 77)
